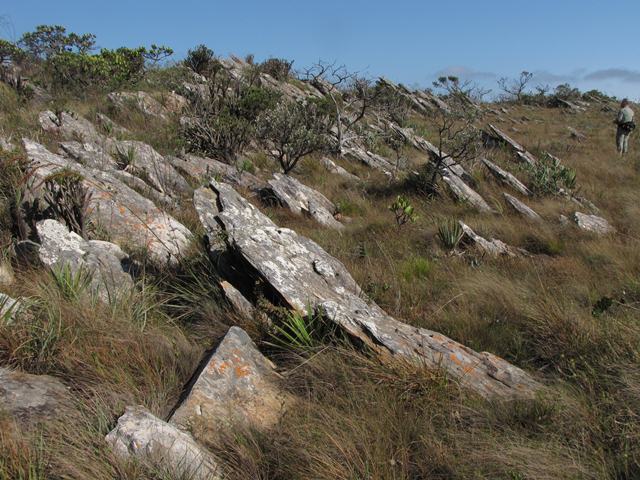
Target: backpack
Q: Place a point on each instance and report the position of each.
(628, 127)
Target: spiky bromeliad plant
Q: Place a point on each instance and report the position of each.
(450, 233)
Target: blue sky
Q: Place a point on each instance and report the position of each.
(588, 43)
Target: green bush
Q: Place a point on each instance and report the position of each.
(548, 176)
(278, 68)
(416, 268)
(201, 60)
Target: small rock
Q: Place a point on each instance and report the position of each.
(31, 398)
(521, 208)
(593, 223)
(141, 435)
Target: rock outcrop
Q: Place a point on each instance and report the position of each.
(300, 273)
(237, 301)
(592, 223)
(102, 262)
(237, 386)
(521, 208)
(142, 436)
(201, 169)
(301, 200)
(31, 398)
(128, 217)
(142, 101)
(493, 247)
(519, 150)
(506, 177)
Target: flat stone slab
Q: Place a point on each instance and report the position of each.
(31, 398)
(102, 261)
(238, 386)
(203, 169)
(302, 274)
(142, 101)
(240, 304)
(464, 193)
(521, 208)
(130, 218)
(520, 151)
(592, 223)
(302, 200)
(336, 169)
(142, 436)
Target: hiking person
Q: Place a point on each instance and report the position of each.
(625, 126)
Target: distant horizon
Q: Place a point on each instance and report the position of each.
(411, 42)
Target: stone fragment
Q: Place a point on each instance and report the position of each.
(238, 386)
(593, 223)
(506, 177)
(142, 436)
(102, 262)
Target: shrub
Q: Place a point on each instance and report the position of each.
(403, 211)
(278, 68)
(291, 131)
(450, 233)
(201, 60)
(548, 176)
(50, 40)
(68, 200)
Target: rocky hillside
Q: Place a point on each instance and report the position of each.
(240, 273)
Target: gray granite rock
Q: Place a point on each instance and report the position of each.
(592, 223)
(302, 274)
(506, 177)
(521, 208)
(142, 436)
(103, 262)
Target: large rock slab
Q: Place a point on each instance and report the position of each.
(370, 159)
(506, 178)
(521, 208)
(129, 218)
(302, 200)
(592, 223)
(300, 273)
(103, 262)
(238, 386)
(202, 169)
(142, 436)
(70, 126)
(237, 301)
(148, 163)
(493, 247)
(31, 398)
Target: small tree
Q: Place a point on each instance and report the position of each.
(350, 96)
(201, 60)
(515, 88)
(222, 124)
(49, 40)
(391, 104)
(458, 138)
(291, 131)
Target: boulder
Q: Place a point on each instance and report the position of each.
(70, 126)
(202, 169)
(506, 177)
(142, 436)
(237, 386)
(142, 101)
(576, 135)
(152, 166)
(32, 398)
(521, 208)
(129, 218)
(103, 262)
(300, 199)
(300, 274)
(109, 126)
(592, 223)
(493, 247)
(370, 159)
